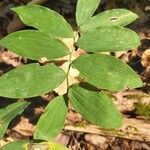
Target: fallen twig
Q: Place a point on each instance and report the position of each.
(134, 129)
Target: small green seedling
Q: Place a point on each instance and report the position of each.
(104, 32)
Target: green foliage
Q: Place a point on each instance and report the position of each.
(95, 107)
(10, 112)
(34, 45)
(52, 121)
(31, 80)
(108, 39)
(45, 20)
(106, 72)
(85, 9)
(104, 32)
(25, 145)
(114, 17)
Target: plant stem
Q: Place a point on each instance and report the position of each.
(70, 61)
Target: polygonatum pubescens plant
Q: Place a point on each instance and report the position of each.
(98, 71)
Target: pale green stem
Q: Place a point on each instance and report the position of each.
(70, 61)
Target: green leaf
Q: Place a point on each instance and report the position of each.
(45, 20)
(17, 145)
(108, 39)
(10, 112)
(30, 80)
(106, 72)
(95, 107)
(34, 44)
(85, 9)
(25, 145)
(52, 121)
(114, 17)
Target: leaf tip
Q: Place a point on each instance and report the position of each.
(14, 9)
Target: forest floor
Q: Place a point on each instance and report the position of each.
(133, 104)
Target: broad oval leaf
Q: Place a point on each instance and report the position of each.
(26, 145)
(109, 39)
(34, 44)
(95, 107)
(85, 9)
(106, 72)
(52, 121)
(30, 80)
(10, 112)
(17, 145)
(45, 20)
(114, 17)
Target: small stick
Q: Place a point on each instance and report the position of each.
(133, 129)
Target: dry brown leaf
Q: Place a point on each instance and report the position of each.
(146, 58)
